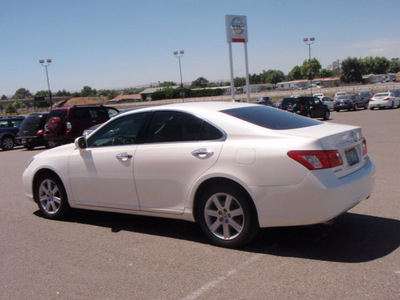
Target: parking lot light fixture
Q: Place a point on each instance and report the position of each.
(309, 42)
(45, 65)
(179, 55)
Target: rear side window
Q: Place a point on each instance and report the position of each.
(271, 118)
(173, 126)
(61, 113)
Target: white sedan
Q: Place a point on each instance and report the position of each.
(231, 167)
(382, 100)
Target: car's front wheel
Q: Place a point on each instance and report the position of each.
(51, 197)
(7, 143)
(227, 216)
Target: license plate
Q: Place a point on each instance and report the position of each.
(352, 157)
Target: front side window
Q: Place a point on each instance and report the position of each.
(122, 131)
(172, 126)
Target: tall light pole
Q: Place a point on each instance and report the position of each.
(309, 42)
(179, 55)
(45, 65)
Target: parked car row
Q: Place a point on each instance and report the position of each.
(62, 125)
(307, 106)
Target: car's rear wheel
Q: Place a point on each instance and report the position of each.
(51, 197)
(227, 216)
(7, 143)
(50, 144)
(372, 108)
(327, 115)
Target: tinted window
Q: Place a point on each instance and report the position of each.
(122, 131)
(289, 101)
(271, 118)
(209, 132)
(61, 113)
(171, 126)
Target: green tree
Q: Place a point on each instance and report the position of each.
(22, 94)
(42, 93)
(10, 109)
(200, 82)
(87, 91)
(315, 66)
(272, 76)
(382, 65)
(18, 104)
(62, 93)
(368, 65)
(326, 73)
(239, 81)
(255, 79)
(107, 93)
(4, 97)
(166, 83)
(351, 70)
(295, 73)
(394, 66)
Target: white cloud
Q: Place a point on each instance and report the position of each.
(387, 47)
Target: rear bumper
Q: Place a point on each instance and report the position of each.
(374, 104)
(320, 197)
(33, 140)
(64, 139)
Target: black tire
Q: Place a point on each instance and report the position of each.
(30, 146)
(7, 143)
(50, 144)
(337, 110)
(50, 195)
(227, 216)
(372, 108)
(327, 115)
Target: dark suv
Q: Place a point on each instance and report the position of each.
(64, 124)
(31, 131)
(9, 128)
(311, 107)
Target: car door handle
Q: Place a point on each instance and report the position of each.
(123, 156)
(202, 153)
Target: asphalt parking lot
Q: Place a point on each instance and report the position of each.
(112, 256)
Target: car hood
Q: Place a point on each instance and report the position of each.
(60, 150)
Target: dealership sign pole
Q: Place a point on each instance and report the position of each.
(236, 32)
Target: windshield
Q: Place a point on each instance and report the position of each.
(271, 118)
(382, 95)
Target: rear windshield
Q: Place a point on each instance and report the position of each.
(382, 95)
(271, 118)
(61, 113)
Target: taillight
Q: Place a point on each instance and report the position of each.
(364, 147)
(317, 160)
(40, 132)
(302, 107)
(371, 99)
(386, 99)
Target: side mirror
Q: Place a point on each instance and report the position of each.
(80, 142)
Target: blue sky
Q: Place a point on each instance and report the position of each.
(121, 43)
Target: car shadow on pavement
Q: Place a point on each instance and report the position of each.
(353, 238)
